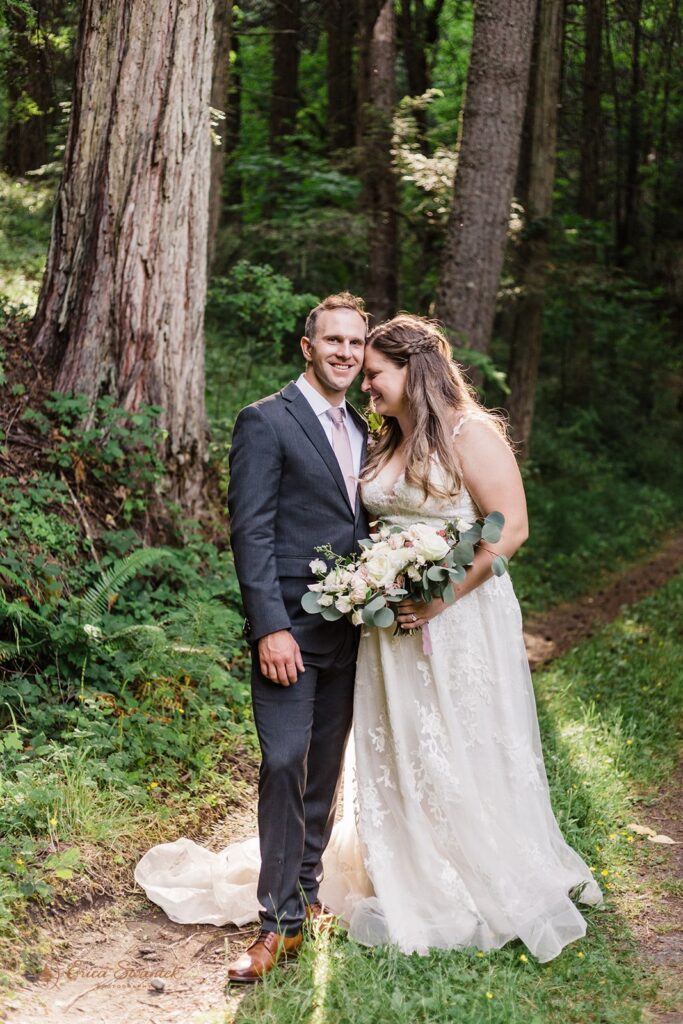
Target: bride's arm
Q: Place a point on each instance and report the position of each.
(491, 475)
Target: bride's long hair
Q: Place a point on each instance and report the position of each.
(438, 396)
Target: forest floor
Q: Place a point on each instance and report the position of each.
(119, 959)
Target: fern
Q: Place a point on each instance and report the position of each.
(95, 602)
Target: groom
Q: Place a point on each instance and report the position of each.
(294, 465)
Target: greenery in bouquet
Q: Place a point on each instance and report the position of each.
(395, 563)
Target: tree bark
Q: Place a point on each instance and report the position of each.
(630, 224)
(377, 100)
(220, 85)
(285, 95)
(340, 25)
(543, 103)
(591, 120)
(122, 301)
(488, 149)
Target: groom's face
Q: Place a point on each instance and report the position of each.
(335, 355)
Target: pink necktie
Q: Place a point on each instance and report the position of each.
(342, 449)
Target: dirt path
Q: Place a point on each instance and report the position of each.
(106, 960)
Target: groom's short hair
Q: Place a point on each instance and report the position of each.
(342, 300)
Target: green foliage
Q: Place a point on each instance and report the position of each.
(254, 321)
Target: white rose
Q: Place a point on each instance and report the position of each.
(343, 604)
(428, 544)
(317, 566)
(325, 600)
(380, 569)
(462, 526)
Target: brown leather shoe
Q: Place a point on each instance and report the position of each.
(267, 950)
(320, 918)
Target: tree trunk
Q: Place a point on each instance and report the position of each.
(30, 93)
(377, 99)
(543, 103)
(591, 121)
(630, 224)
(122, 302)
(233, 132)
(220, 84)
(285, 95)
(418, 30)
(340, 25)
(488, 148)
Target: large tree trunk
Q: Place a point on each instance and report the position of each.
(630, 227)
(591, 120)
(30, 87)
(285, 95)
(220, 85)
(121, 306)
(488, 149)
(525, 342)
(377, 100)
(340, 24)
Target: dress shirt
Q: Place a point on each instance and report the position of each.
(320, 405)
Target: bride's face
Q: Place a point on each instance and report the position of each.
(385, 382)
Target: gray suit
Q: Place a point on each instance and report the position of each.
(287, 496)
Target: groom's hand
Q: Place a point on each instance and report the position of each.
(280, 657)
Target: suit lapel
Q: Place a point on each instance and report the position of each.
(310, 424)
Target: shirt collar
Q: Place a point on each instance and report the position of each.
(318, 402)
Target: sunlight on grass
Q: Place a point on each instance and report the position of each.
(25, 211)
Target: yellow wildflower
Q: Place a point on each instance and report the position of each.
(629, 743)
(53, 822)
(581, 955)
(481, 954)
(489, 995)
(613, 835)
(604, 872)
(524, 958)
(19, 861)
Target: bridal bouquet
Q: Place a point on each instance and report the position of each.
(418, 562)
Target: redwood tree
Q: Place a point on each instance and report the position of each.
(284, 102)
(220, 88)
(488, 151)
(376, 103)
(121, 306)
(527, 319)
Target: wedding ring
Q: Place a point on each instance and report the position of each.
(414, 617)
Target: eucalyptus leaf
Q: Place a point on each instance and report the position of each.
(499, 565)
(491, 533)
(437, 573)
(331, 614)
(376, 603)
(463, 553)
(384, 617)
(458, 574)
(310, 602)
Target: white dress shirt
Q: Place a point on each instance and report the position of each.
(320, 405)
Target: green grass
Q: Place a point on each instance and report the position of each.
(25, 211)
(608, 713)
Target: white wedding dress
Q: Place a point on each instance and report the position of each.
(448, 838)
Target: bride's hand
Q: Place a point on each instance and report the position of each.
(414, 614)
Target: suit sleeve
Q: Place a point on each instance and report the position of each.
(255, 474)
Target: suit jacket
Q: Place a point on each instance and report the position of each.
(286, 497)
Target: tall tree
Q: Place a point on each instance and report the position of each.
(488, 150)
(591, 120)
(285, 95)
(340, 24)
(377, 100)
(418, 32)
(31, 95)
(541, 141)
(220, 86)
(121, 306)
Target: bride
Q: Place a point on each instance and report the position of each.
(448, 837)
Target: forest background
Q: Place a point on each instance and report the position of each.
(323, 146)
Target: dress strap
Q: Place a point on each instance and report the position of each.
(474, 415)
